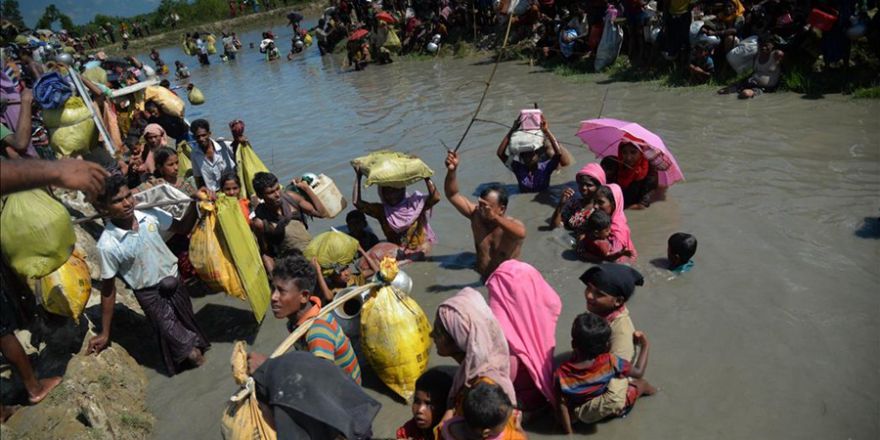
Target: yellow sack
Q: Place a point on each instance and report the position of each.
(186, 47)
(184, 164)
(66, 291)
(395, 336)
(96, 75)
(307, 40)
(37, 235)
(209, 42)
(242, 418)
(71, 127)
(210, 257)
(167, 100)
(392, 42)
(390, 168)
(247, 165)
(242, 247)
(332, 248)
(195, 96)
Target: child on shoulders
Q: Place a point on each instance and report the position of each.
(594, 374)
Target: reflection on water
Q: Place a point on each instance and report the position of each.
(781, 192)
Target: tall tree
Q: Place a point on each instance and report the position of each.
(51, 15)
(11, 12)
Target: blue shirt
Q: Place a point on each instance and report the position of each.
(140, 257)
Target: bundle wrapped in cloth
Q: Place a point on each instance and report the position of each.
(37, 235)
(210, 255)
(393, 169)
(66, 291)
(71, 127)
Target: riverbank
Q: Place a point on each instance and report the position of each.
(239, 24)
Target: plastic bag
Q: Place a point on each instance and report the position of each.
(525, 141)
(37, 236)
(395, 336)
(71, 127)
(242, 418)
(393, 169)
(392, 42)
(247, 165)
(609, 45)
(66, 291)
(210, 256)
(166, 99)
(195, 96)
(96, 75)
(742, 57)
(244, 253)
(332, 249)
(210, 44)
(184, 164)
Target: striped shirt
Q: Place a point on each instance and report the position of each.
(326, 340)
(580, 384)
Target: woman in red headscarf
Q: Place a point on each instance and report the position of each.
(636, 176)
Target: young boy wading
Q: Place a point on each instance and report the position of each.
(132, 248)
(497, 237)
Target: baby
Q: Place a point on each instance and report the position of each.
(596, 246)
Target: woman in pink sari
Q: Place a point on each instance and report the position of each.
(466, 330)
(609, 198)
(404, 220)
(527, 309)
(572, 212)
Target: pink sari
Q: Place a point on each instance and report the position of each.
(619, 226)
(469, 321)
(401, 216)
(527, 309)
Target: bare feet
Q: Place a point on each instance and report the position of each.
(46, 386)
(644, 387)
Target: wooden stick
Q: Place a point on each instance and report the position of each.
(303, 328)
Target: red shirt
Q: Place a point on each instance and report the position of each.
(410, 431)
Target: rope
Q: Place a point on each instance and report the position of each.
(488, 83)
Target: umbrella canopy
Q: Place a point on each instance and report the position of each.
(603, 137)
(358, 34)
(386, 17)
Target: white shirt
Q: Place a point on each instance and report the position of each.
(211, 170)
(140, 257)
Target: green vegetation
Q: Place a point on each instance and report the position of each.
(135, 421)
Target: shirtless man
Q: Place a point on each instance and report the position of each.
(497, 237)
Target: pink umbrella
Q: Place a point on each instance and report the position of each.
(603, 136)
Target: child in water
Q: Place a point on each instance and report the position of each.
(428, 406)
(588, 375)
(596, 245)
(680, 250)
(181, 71)
(487, 415)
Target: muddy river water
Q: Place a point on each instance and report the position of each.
(773, 334)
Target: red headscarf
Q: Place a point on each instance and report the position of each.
(627, 175)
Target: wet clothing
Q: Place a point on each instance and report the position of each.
(581, 383)
(310, 401)
(537, 180)
(290, 229)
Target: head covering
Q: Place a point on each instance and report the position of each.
(155, 129)
(619, 226)
(627, 175)
(527, 309)
(401, 216)
(469, 321)
(617, 280)
(313, 399)
(593, 170)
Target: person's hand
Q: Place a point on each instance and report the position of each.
(241, 139)
(316, 264)
(626, 253)
(544, 125)
(301, 184)
(98, 343)
(451, 161)
(81, 175)
(566, 196)
(636, 206)
(257, 225)
(254, 361)
(490, 214)
(639, 338)
(27, 97)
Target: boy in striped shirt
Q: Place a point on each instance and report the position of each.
(294, 279)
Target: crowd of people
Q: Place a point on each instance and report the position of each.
(503, 347)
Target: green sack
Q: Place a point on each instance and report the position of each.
(392, 42)
(195, 96)
(245, 254)
(247, 165)
(71, 127)
(37, 236)
(390, 168)
(96, 75)
(333, 249)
